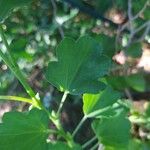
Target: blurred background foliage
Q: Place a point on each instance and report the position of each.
(34, 32)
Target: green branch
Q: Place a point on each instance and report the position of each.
(89, 142)
(62, 103)
(10, 62)
(16, 98)
(95, 147)
(79, 126)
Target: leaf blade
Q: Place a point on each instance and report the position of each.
(104, 99)
(114, 131)
(79, 66)
(22, 131)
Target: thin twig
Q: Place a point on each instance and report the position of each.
(142, 10)
(130, 14)
(131, 27)
(79, 126)
(147, 30)
(130, 24)
(95, 146)
(101, 147)
(62, 103)
(9, 60)
(54, 16)
(117, 38)
(89, 142)
(128, 94)
(142, 26)
(145, 25)
(136, 16)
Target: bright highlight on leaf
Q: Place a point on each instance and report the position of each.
(80, 65)
(24, 131)
(100, 102)
(6, 6)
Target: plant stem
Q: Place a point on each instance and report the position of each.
(10, 57)
(16, 98)
(52, 131)
(98, 112)
(9, 60)
(95, 146)
(79, 126)
(62, 103)
(89, 142)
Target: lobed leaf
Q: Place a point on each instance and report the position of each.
(24, 131)
(80, 65)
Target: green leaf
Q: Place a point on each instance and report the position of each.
(24, 131)
(104, 99)
(146, 13)
(135, 50)
(80, 64)
(62, 146)
(122, 5)
(18, 47)
(7, 6)
(109, 49)
(113, 131)
(103, 6)
(117, 82)
(137, 5)
(136, 82)
(134, 144)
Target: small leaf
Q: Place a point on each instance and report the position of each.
(113, 131)
(18, 45)
(117, 82)
(136, 82)
(135, 50)
(18, 49)
(146, 13)
(99, 101)
(24, 131)
(7, 6)
(80, 64)
(109, 49)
